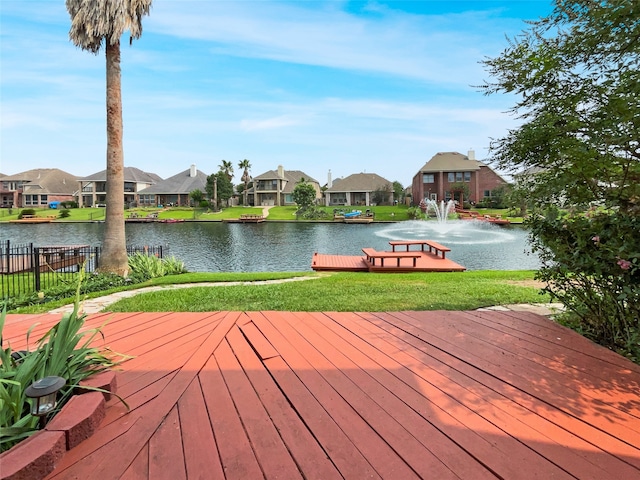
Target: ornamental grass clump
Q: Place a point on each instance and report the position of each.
(145, 267)
(65, 351)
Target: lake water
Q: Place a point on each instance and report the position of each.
(289, 246)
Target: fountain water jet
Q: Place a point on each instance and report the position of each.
(441, 210)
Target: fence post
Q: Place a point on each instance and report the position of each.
(36, 268)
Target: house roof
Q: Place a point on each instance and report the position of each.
(359, 182)
(413, 394)
(451, 162)
(290, 175)
(131, 174)
(182, 182)
(45, 180)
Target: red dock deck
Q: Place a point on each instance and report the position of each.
(397, 395)
(421, 260)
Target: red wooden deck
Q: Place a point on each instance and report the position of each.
(395, 395)
(427, 262)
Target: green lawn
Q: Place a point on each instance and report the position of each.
(351, 292)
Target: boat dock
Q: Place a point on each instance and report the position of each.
(431, 257)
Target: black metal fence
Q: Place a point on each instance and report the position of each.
(26, 269)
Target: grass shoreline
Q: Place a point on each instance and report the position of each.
(341, 291)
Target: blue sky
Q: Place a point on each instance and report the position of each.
(360, 86)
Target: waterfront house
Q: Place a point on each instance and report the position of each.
(275, 187)
(450, 172)
(94, 187)
(362, 189)
(174, 190)
(37, 188)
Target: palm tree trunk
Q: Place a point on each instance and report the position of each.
(114, 249)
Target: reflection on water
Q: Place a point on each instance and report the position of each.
(269, 246)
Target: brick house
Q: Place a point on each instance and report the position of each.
(275, 187)
(448, 171)
(37, 188)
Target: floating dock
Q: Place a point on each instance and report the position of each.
(430, 258)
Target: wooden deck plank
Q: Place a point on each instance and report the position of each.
(139, 468)
(236, 455)
(269, 449)
(518, 371)
(462, 426)
(343, 453)
(408, 433)
(586, 370)
(166, 458)
(309, 455)
(150, 414)
(199, 445)
(375, 449)
(518, 422)
(575, 425)
(511, 391)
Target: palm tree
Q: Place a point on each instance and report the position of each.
(246, 178)
(227, 168)
(93, 23)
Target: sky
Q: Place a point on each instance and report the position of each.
(317, 86)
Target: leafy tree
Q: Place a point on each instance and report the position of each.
(94, 24)
(245, 165)
(381, 195)
(225, 187)
(304, 195)
(576, 74)
(398, 191)
(197, 196)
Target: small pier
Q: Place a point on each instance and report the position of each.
(404, 257)
(246, 218)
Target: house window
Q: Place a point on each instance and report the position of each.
(268, 185)
(458, 176)
(148, 199)
(447, 196)
(467, 176)
(487, 193)
(288, 198)
(43, 199)
(428, 178)
(451, 177)
(28, 199)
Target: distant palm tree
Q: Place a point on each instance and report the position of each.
(92, 23)
(246, 178)
(227, 168)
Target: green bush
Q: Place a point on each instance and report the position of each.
(26, 211)
(173, 266)
(144, 267)
(69, 204)
(591, 262)
(64, 213)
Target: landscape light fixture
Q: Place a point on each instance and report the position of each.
(44, 393)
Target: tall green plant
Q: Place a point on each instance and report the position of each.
(66, 350)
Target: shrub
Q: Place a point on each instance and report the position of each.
(415, 213)
(591, 262)
(173, 266)
(69, 204)
(26, 211)
(144, 267)
(64, 213)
